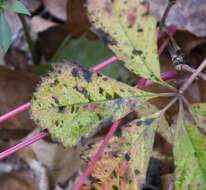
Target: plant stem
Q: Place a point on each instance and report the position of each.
(23, 144)
(187, 68)
(14, 112)
(166, 12)
(28, 38)
(192, 77)
(96, 157)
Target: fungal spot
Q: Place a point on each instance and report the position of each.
(137, 172)
(137, 52)
(101, 90)
(57, 123)
(108, 96)
(105, 79)
(99, 74)
(82, 90)
(139, 29)
(61, 109)
(72, 109)
(56, 101)
(54, 83)
(127, 157)
(87, 75)
(75, 72)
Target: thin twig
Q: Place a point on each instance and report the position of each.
(28, 38)
(96, 157)
(14, 112)
(192, 77)
(187, 68)
(166, 12)
(22, 145)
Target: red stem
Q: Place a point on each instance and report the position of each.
(14, 112)
(22, 145)
(96, 157)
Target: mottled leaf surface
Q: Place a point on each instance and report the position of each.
(190, 155)
(125, 161)
(72, 101)
(130, 32)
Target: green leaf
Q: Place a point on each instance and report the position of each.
(18, 7)
(125, 161)
(190, 155)
(5, 33)
(131, 34)
(72, 101)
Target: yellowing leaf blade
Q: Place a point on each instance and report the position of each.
(131, 32)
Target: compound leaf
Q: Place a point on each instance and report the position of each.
(130, 33)
(72, 101)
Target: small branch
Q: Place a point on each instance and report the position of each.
(166, 12)
(28, 38)
(14, 112)
(96, 157)
(173, 101)
(22, 145)
(187, 68)
(192, 77)
(104, 64)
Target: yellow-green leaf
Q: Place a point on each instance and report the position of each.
(72, 101)
(190, 155)
(131, 33)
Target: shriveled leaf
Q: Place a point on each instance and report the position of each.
(72, 101)
(130, 32)
(5, 33)
(125, 161)
(190, 155)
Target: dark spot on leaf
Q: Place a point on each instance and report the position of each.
(118, 133)
(137, 172)
(101, 90)
(114, 154)
(116, 96)
(72, 108)
(105, 79)
(57, 123)
(87, 75)
(75, 72)
(139, 29)
(55, 100)
(114, 173)
(99, 74)
(61, 109)
(127, 157)
(81, 90)
(149, 121)
(108, 96)
(137, 52)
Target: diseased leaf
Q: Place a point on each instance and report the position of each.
(5, 33)
(126, 158)
(190, 155)
(72, 101)
(130, 32)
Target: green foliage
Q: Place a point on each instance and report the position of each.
(17, 7)
(80, 51)
(190, 155)
(5, 30)
(5, 33)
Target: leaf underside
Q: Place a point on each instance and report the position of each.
(131, 34)
(72, 101)
(190, 155)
